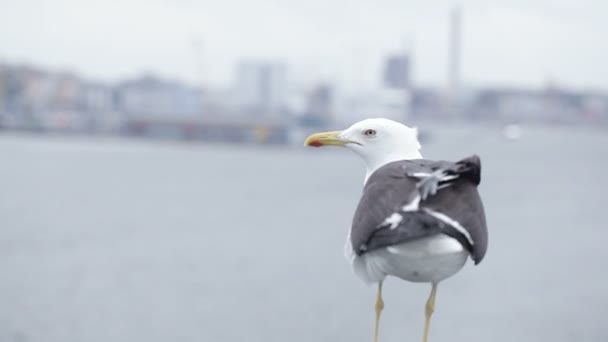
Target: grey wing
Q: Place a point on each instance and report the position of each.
(442, 174)
(385, 193)
(458, 199)
(408, 200)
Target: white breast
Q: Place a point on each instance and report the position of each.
(429, 259)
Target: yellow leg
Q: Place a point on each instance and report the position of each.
(379, 307)
(430, 308)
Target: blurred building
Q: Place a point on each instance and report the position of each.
(428, 103)
(99, 107)
(152, 96)
(379, 102)
(260, 88)
(391, 100)
(397, 72)
(34, 98)
(594, 107)
(320, 106)
(260, 107)
(550, 104)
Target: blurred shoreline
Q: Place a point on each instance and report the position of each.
(430, 132)
(261, 107)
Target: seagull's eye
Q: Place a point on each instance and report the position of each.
(369, 133)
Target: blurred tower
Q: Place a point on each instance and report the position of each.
(455, 43)
(394, 98)
(397, 71)
(260, 87)
(320, 104)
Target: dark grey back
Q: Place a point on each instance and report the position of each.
(391, 187)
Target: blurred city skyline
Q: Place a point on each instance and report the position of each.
(505, 43)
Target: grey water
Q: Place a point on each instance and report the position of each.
(105, 239)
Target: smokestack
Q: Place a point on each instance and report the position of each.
(454, 59)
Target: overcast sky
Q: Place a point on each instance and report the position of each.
(507, 42)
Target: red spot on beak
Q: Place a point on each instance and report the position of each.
(315, 143)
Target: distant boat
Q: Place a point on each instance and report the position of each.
(512, 132)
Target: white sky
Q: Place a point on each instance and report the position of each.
(506, 42)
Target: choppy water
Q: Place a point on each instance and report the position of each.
(113, 240)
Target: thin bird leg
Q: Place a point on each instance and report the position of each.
(430, 308)
(379, 306)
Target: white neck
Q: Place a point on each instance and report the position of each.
(374, 164)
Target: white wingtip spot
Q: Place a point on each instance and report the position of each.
(392, 220)
(413, 205)
(440, 174)
(444, 177)
(420, 174)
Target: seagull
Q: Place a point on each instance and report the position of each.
(418, 220)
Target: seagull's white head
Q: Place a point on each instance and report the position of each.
(377, 141)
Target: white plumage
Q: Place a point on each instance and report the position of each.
(427, 260)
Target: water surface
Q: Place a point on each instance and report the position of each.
(117, 240)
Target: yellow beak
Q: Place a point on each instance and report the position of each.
(326, 139)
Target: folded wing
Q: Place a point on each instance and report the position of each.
(408, 200)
